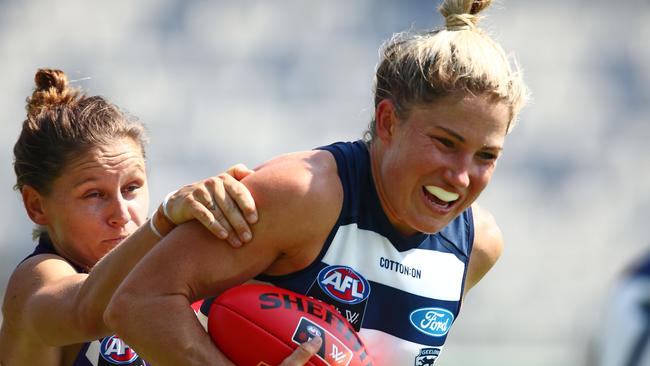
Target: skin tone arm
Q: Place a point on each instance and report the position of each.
(488, 245)
(47, 284)
(286, 191)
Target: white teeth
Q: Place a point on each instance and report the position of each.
(441, 194)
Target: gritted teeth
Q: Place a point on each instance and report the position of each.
(441, 194)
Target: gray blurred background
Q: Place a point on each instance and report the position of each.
(220, 82)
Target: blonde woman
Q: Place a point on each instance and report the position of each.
(386, 229)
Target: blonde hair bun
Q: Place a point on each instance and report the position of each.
(462, 14)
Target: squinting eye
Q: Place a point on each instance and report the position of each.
(445, 142)
(132, 188)
(487, 156)
(92, 195)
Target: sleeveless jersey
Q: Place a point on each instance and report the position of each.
(108, 351)
(401, 293)
(625, 334)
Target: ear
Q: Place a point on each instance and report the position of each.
(385, 120)
(33, 202)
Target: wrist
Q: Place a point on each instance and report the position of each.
(160, 224)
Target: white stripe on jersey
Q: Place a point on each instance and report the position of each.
(363, 250)
(203, 319)
(92, 354)
(398, 351)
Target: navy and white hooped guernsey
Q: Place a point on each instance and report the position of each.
(401, 293)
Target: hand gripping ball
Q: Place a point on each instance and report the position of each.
(258, 325)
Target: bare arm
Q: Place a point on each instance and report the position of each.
(286, 192)
(47, 284)
(488, 245)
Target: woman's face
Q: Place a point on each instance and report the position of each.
(100, 198)
(439, 159)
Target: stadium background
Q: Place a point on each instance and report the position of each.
(220, 82)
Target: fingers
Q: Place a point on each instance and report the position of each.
(303, 353)
(211, 221)
(241, 196)
(239, 171)
(227, 212)
(222, 204)
(195, 201)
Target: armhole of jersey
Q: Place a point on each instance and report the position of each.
(341, 167)
(470, 246)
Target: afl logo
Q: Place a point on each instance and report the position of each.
(432, 321)
(343, 284)
(314, 331)
(116, 352)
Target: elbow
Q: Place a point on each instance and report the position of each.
(91, 321)
(116, 313)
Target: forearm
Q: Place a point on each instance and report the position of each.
(163, 329)
(151, 309)
(102, 281)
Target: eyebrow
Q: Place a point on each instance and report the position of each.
(84, 181)
(453, 133)
(91, 179)
(462, 139)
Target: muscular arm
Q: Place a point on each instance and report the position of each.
(48, 304)
(298, 199)
(51, 304)
(488, 245)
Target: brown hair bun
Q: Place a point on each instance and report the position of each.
(52, 90)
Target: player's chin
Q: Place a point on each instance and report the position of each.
(432, 224)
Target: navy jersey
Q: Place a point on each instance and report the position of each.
(626, 335)
(108, 351)
(401, 293)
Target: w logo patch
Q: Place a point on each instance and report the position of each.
(332, 351)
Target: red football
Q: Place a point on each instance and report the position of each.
(257, 325)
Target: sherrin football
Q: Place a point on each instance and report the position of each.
(256, 325)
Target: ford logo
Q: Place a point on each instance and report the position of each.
(434, 322)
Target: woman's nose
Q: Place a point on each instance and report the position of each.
(119, 215)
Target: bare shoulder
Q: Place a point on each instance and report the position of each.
(28, 279)
(294, 186)
(306, 174)
(290, 189)
(487, 247)
(32, 275)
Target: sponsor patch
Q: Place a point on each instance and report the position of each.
(400, 268)
(434, 322)
(427, 356)
(114, 351)
(344, 288)
(332, 350)
(343, 284)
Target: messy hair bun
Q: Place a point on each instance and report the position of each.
(52, 90)
(462, 14)
(61, 124)
(422, 67)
